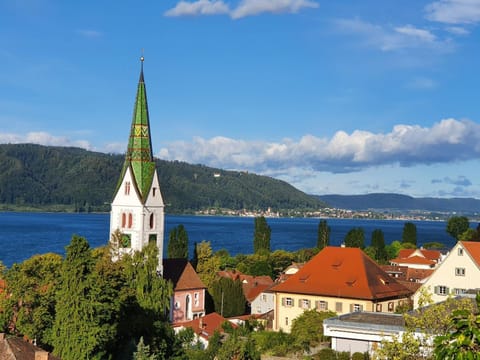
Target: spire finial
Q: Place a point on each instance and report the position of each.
(142, 59)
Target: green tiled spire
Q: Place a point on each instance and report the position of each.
(139, 152)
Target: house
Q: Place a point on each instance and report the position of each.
(407, 274)
(417, 258)
(188, 300)
(252, 285)
(204, 327)
(339, 279)
(289, 271)
(16, 348)
(263, 302)
(458, 273)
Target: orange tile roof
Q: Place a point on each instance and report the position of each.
(418, 274)
(206, 325)
(413, 260)
(252, 285)
(428, 254)
(182, 274)
(473, 248)
(343, 272)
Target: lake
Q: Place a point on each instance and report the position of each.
(25, 234)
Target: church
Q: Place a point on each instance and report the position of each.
(137, 211)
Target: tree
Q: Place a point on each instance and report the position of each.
(378, 243)
(207, 264)
(307, 329)
(457, 225)
(77, 331)
(323, 238)
(261, 235)
(462, 338)
(409, 234)
(355, 238)
(143, 351)
(178, 243)
(228, 297)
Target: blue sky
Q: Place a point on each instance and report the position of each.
(345, 97)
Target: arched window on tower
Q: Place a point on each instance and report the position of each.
(154, 190)
(130, 220)
(127, 188)
(124, 220)
(152, 221)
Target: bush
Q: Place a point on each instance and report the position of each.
(360, 356)
(326, 354)
(343, 355)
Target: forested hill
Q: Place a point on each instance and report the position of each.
(44, 176)
(401, 203)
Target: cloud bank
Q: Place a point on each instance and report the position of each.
(43, 138)
(243, 9)
(454, 11)
(447, 141)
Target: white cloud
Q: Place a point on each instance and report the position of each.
(43, 138)
(243, 9)
(457, 30)
(422, 83)
(454, 11)
(447, 141)
(200, 7)
(256, 7)
(390, 39)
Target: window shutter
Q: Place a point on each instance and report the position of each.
(436, 290)
(299, 303)
(361, 307)
(351, 307)
(326, 305)
(447, 290)
(283, 301)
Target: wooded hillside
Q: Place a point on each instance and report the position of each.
(43, 176)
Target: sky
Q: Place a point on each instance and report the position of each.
(334, 97)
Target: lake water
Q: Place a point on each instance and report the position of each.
(25, 234)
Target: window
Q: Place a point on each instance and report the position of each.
(339, 307)
(460, 271)
(286, 321)
(264, 297)
(125, 241)
(390, 306)
(152, 221)
(441, 290)
(124, 220)
(322, 305)
(304, 303)
(152, 238)
(459, 291)
(154, 190)
(127, 188)
(378, 308)
(195, 298)
(177, 305)
(460, 251)
(287, 301)
(357, 307)
(130, 220)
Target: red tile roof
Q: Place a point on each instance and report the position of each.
(343, 272)
(182, 274)
(206, 325)
(413, 260)
(428, 254)
(16, 348)
(252, 285)
(473, 248)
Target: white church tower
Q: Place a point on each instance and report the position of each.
(137, 207)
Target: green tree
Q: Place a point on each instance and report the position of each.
(307, 329)
(261, 235)
(228, 297)
(462, 338)
(378, 243)
(323, 237)
(207, 264)
(30, 307)
(409, 234)
(238, 346)
(178, 243)
(143, 351)
(457, 225)
(77, 331)
(355, 238)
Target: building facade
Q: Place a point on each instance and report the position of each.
(137, 212)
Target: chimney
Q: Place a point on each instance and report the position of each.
(41, 355)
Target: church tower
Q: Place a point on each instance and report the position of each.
(137, 206)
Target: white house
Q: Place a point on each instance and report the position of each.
(457, 273)
(263, 303)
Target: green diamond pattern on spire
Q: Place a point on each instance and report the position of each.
(139, 152)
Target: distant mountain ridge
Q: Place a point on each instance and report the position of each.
(42, 176)
(387, 201)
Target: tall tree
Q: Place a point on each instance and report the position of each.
(457, 225)
(378, 243)
(228, 297)
(78, 331)
(207, 264)
(178, 243)
(355, 238)
(261, 236)
(409, 234)
(323, 238)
